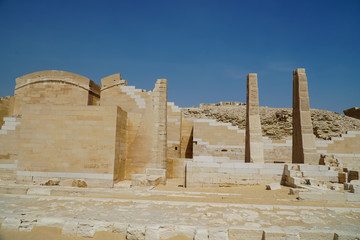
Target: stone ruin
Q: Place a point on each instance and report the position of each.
(64, 129)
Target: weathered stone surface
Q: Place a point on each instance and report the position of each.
(120, 228)
(11, 223)
(245, 234)
(135, 232)
(254, 151)
(316, 235)
(201, 234)
(51, 182)
(304, 149)
(85, 229)
(79, 183)
(215, 234)
(152, 233)
(146, 180)
(70, 228)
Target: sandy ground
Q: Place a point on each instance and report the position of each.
(249, 206)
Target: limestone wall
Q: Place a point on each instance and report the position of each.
(55, 87)
(277, 150)
(72, 142)
(173, 130)
(9, 141)
(6, 108)
(205, 173)
(212, 138)
(145, 142)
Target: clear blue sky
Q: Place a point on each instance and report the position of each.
(204, 48)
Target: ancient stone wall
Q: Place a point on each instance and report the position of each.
(146, 122)
(6, 108)
(55, 87)
(346, 148)
(9, 147)
(209, 173)
(173, 130)
(72, 142)
(212, 138)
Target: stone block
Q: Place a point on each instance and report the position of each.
(316, 235)
(145, 180)
(156, 171)
(26, 224)
(120, 228)
(245, 234)
(103, 226)
(311, 196)
(354, 188)
(152, 233)
(347, 236)
(272, 235)
(85, 229)
(50, 222)
(70, 228)
(353, 175)
(216, 234)
(342, 177)
(353, 197)
(39, 191)
(201, 234)
(331, 196)
(273, 186)
(135, 232)
(11, 224)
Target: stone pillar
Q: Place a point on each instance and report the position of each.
(159, 98)
(254, 151)
(303, 148)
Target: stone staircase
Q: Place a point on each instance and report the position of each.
(305, 176)
(10, 124)
(133, 93)
(8, 135)
(173, 107)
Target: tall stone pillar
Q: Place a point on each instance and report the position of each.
(159, 149)
(303, 149)
(254, 150)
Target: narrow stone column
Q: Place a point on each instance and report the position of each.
(254, 150)
(303, 148)
(159, 97)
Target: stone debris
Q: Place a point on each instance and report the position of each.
(144, 180)
(135, 232)
(79, 183)
(277, 122)
(51, 182)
